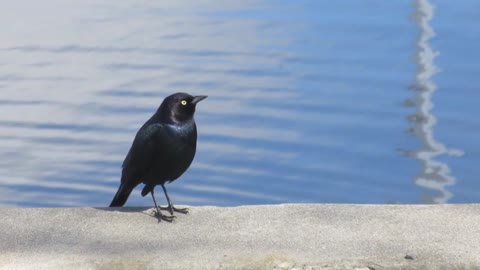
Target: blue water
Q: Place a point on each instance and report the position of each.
(309, 101)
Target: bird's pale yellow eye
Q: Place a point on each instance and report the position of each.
(184, 102)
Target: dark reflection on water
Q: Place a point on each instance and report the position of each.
(305, 100)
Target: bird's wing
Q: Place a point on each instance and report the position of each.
(148, 141)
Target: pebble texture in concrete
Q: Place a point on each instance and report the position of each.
(290, 236)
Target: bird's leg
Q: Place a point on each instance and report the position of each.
(158, 214)
(170, 206)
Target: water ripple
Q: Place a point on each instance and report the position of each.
(307, 100)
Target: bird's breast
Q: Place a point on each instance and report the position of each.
(181, 148)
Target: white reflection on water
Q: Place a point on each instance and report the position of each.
(434, 174)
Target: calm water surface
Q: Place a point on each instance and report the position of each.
(309, 101)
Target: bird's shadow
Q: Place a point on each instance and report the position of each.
(149, 211)
(124, 209)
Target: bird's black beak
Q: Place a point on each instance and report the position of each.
(197, 99)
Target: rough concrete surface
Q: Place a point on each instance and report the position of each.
(290, 236)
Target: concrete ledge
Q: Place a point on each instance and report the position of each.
(293, 236)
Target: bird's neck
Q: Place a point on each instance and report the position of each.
(185, 129)
(161, 118)
(166, 116)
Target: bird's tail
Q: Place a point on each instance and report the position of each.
(122, 195)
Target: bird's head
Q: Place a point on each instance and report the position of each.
(179, 107)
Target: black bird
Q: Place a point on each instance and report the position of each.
(162, 151)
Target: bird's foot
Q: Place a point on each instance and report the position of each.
(172, 209)
(181, 210)
(161, 217)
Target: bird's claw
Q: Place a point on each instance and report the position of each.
(181, 210)
(172, 209)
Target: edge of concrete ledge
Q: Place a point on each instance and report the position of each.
(285, 236)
